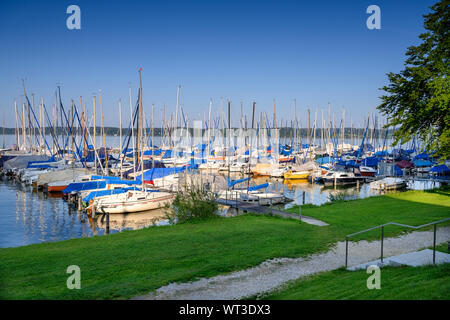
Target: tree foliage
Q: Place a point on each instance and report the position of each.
(418, 97)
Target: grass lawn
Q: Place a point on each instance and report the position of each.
(130, 263)
(402, 283)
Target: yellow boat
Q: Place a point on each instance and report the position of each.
(297, 174)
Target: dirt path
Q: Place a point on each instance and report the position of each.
(272, 273)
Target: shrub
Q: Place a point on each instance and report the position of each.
(339, 196)
(192, 203)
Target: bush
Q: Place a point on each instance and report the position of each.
(338, 197)
(192, 203)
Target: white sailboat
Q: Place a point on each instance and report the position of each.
(132, 201)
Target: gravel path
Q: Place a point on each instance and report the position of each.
(273, 273)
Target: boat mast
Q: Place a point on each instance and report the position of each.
(140, 125)
(95, 140)
(17, 124)
(251, 142)
(103, 133)
(120, 133)
(132, 135)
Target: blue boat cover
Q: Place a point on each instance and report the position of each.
(261, 186)
(100, 193)
(155, 173)
(232, 183)
(422, 155)
(397, 171)
(88, 185)
(422, 163)
(440, 169)
(324, 160)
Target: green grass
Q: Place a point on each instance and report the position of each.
(401, 283)
(130, 263)
(413, 208)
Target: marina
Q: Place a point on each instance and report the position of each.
(82, 182)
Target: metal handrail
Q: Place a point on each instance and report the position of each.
(396, 224)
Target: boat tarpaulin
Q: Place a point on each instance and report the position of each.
(442, 169)
(100, 193)
(261, 186)
(155, 173)
(232, 183)
(422, 163)
(87, 185)
(405, 164)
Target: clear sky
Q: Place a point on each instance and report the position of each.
(312, 51)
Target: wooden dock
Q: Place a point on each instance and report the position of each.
(254, 208)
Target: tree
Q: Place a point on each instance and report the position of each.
(418, 97)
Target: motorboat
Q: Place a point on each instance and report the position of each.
(340, 178)
(367, 171)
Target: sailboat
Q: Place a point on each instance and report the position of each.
(126, 201)
(132, 201)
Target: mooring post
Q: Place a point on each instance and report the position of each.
(434, 244)
(79, 203)
(346, 251)
(382, 237)
(107, 222)
(303, 202)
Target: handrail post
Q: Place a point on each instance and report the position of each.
(382, 238)
(346, 252)
(434, 244)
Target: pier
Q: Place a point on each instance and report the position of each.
(255, 208)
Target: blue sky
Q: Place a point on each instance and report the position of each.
(312, 51)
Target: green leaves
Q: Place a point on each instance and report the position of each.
(418, 98)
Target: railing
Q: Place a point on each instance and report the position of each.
(397, 224)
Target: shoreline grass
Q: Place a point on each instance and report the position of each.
(130, 263)
(397, 283)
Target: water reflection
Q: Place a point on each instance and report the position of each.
(131, 221)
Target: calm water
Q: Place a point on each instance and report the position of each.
(29, 217)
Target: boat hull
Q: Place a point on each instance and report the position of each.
(133, 206)
(296, 175)
(58, 188)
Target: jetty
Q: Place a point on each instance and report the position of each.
(255, 208)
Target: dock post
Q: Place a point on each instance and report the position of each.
(303, 202)
(79, 204)
(357, 184)
(382, 238)
(107, 222)
(434, 244)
